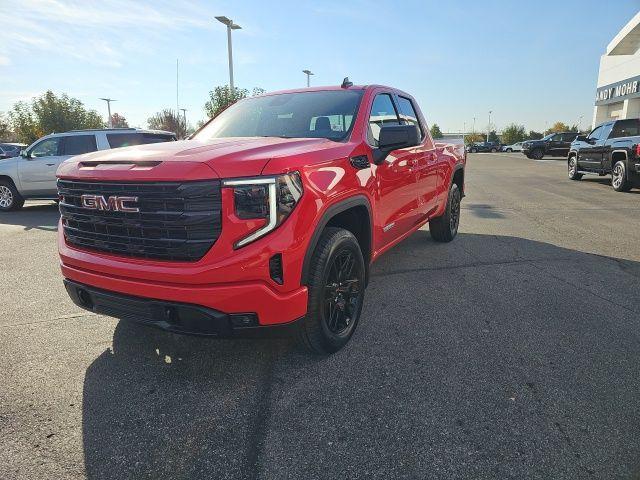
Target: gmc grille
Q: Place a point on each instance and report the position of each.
(177, 221)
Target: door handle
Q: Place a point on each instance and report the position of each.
(50, 164)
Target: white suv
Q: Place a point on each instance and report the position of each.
(32, 175)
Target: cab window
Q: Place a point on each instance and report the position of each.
(408, 114)
(46, 148)
(596, 134)
(383, 113)
(78, 144)
(117, 140)
(626, 128)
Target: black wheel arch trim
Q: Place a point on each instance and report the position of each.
(329, 213)
(7, 178)
(455, 170)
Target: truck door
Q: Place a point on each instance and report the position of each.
(589, 155)
(396, 210)
(596, 150)
(554, 145)
(425, 159)
(566, 140)
(37, 171)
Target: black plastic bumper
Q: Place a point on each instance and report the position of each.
(184, 318)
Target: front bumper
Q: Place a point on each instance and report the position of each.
(270, 306)
(175, 317)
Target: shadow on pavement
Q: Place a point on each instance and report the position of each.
(39, 216)
(483, 211)
(490, 356)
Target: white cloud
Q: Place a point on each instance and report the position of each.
(88, 30)
(4, 61)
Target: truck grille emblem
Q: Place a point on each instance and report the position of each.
(113, 203)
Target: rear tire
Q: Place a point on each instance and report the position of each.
(619, 180)
(336, 292)
(445, 227)
(10, 199)
(537, 153)
(572, 168)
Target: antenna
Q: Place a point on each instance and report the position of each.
(346, 83)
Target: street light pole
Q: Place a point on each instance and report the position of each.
(184, 116)
(308, 73)
(109, 100)
(489, 126)
(230, 26)
(473, 130)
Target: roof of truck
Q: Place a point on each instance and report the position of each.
(326, 88)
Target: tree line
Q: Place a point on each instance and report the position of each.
(512, 133)
(49, 113)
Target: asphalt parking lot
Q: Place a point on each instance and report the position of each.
(510, 353)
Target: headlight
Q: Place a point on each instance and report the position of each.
(271, 198)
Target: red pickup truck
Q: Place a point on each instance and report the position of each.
(271, 215)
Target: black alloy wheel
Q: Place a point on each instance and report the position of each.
(445, 227)
(342, 292)
(336, 283)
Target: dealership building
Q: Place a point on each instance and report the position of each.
(618, 92)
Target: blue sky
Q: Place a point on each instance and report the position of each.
(529, 62)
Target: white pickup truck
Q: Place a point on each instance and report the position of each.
(32, 175)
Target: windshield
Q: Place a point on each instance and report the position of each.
(325, 114)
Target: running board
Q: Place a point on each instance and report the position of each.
(584, 172)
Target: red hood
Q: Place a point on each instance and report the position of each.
(227, 157)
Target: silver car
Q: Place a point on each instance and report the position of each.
(516, 147)
(32, 174)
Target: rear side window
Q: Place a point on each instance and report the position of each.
(569, 137)
(408, 113)
(626, 128)
(117, 140)
(383, 113)
(78, 144)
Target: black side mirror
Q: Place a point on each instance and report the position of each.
(394, 137)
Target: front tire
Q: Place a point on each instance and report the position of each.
(10, 199)
(619, 180)
(572, 168)
(336, 292)
(493, 150)
(509, 150)
(538, 154)
(445, 227)
(473, 150)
